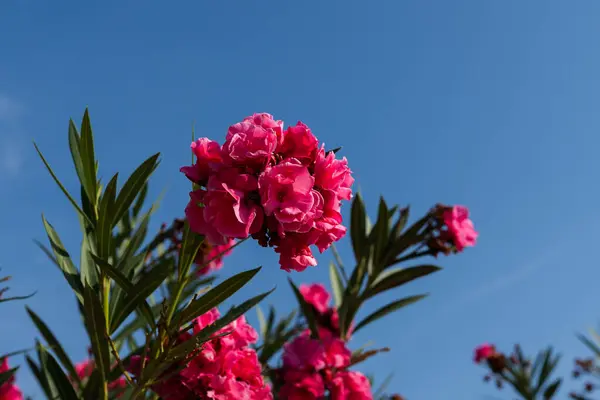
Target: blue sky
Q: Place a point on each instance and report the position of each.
(485, 103)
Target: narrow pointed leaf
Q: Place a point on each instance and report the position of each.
(336, 284)
(105, 217)
(139, 293)
(39, 376)
(96, 327)
(6, 375)
(393, 278)
(60, 380)
(262, 323)
(189, 248)
(60, 185)
(387, 309)
(4, 299)
(358, 226)
(88, 159)
(307, 310)
(552, 389)
(54, 344)
(215, 296)
(126, 285)
(64, 260)
(139, 201)
(133, 186)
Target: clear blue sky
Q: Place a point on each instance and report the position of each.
(492, 104)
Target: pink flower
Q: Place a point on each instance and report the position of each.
(227, 212)
(299, 143)
(267, 121)
(460, 227)
(85, 368)
(302, 386)
(208, 155)
(8, 390)
(337, 355)
(206, 319)
(350, 385)
(243, 364)
(316, 295)
(250, 145)
(242, 334)
(304, 353)
(333, 174)
(286, 192)
(213, 259)
(484, 352)
(295, 253)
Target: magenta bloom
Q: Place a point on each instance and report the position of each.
(304, 353)
(484, 352)
(249, 145)
(224, 369)
(351, 385)
(460, 227)
(271, 184)
(302, 386)
(299, 143)
(286, 192)
(316, 295)
(208, 157)
(9, 390)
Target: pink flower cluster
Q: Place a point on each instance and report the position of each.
(460, 228)
(210, 257)
(312, 367)
(225, 368)
(327, 317)
(8, 390)
(275, 185)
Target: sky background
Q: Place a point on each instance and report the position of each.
(491, 104)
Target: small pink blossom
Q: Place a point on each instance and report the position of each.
(304, 353)
(316, 295)
(337, 355)
(208, 155)
(460, 227)
(350, 385)
(286, 192)
(484, 352)
(267, 121)
(302, 386)
(9, 390)
(333, 174)
(250, 145)
(299, 143)
(295, 253)
(242, 334)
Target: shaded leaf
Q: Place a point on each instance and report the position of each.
(307, 310)
(358, 221)
(104, 235)
(189, 248)
(60, 185)
(393, 278)
(133, 187)
(551, 390)
(215, 296)
(95, 324)
(54, 344)
(387, 309)
(88, 158)
(60, 380)
(337, 285)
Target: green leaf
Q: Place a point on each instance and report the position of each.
(88, 160)
(385, 310)
(139, 293)
(393, 278)
(105, 215)
(307, 310)
(75, 146)
(551, 390)
(60, 185)
(590, 344)
(6, 375)
(45, 370)
(380, 234)
(60, 380)
(64, 260)
(95, 324)
(54, 344)
(358, 226)
(336, 284)
(261, 322)
(4, 299)
(215, 296)
(89, 273)
(205, 334)
(47, 252)
(139, 201)
(126, 285)
(189, 248)
(39, 376)
(133, 186)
